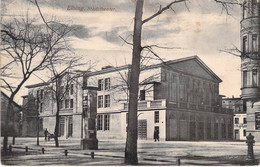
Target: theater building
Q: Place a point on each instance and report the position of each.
(180, 98)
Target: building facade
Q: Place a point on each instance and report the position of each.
(180, 98)
(240, 122)
(250, 60)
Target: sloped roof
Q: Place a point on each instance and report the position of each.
(199, 61)
(5, 95)
(128, 66)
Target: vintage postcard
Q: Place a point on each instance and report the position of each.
(130, 82)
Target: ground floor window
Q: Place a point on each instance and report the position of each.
(99, 122)
(237, 134)
(106, 122)
(244, 132)
(70, 127)
(61, 126)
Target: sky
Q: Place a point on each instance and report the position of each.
(202, 29)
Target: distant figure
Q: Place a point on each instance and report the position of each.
(46, 134)
(156, 135)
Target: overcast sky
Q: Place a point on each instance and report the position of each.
(201, 31)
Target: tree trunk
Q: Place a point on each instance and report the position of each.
(56, 131)
(7, 126)
(131, 141)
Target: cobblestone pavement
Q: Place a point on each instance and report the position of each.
(111, 152)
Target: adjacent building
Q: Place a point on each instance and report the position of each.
(250, 60)
(180, 98)
(15, 116)
(240, 122)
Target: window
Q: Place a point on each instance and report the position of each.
(245, 45)
(100, 84)
(181, 92)
(244, 132)
(236, 120)
(244, 79)
(156, 117)
(107, 83)
(67, 103)
(244, 121)
(71, 89)
(100, 101)
(100, 122)
(41, 107)
(61, 104)
(71, 103)
(106, 122)
(142, 94)
(254, 7)
(41, 94)
(254, 43)
(107, 100)
(254, 77)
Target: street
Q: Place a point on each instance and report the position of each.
(111, 152)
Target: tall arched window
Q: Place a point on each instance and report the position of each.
(254, 77)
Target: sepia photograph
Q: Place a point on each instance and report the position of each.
(130, 82)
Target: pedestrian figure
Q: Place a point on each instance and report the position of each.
(46, 134)
(156, 135)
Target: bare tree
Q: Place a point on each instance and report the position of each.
(63, 80)
(131, 142)
(26, 47)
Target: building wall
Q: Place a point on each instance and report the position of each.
(250, 40)
(14, 116)
(194, 125)
(187, 102)
(240, 126)
(239, 109)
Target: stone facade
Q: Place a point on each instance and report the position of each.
(250, 32)
(180, 98)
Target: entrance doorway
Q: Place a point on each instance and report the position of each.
(142, 129)
(65, 126)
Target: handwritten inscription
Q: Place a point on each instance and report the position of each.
(72, 7)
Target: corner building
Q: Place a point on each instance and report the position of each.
(250, 60)
(180, 98)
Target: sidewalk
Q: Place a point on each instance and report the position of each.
(111, 152)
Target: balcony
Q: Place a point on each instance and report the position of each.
(250, 93)
(153, 104)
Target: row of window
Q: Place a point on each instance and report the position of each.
(254, 45)
(237, 121)
(68, 90)
(104, 84)
(237, 133)
(250, 78)
(156, 117)
(105, 122)
(103, 103)
(67, 103)
(39, 94)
